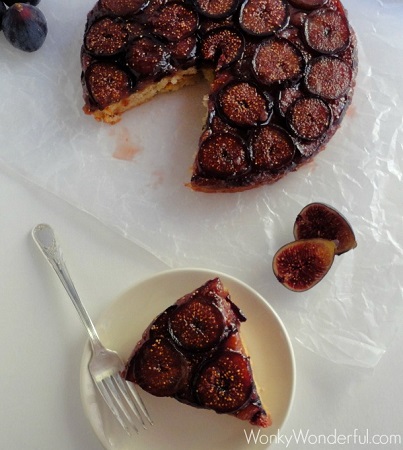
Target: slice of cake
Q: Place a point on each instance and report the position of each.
(281, 74)
(193, 352)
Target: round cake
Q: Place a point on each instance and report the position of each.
(281, 74)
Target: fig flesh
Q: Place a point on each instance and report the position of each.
(301, 264)
(159, 368)
(225, 384)
(198, 325)
(318, 220)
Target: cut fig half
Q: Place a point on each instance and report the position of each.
(318, 220)
(301, 264)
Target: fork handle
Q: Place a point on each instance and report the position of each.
(44, 237)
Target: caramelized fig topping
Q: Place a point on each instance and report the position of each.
(106, 37)
(159, 368)
(197, 325)
(225, 384)
(309, 118)
(216, 9)
(124, 7)
(272, 148)
(223, 46)
(175, 22)
(263, 17)
(223, 155)
(318, 220)
(327, 31)
(328, 77)
(301, 264)
(278, 61)
(147, 56)
(107, 83)
(183, 50)
(308, 4)
(286, 98)
(243, 105)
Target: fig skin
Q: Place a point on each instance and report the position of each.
(301, 264)
(318, 220)
(25, 27)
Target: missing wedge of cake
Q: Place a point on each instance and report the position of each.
(281, 75)
(193, 352)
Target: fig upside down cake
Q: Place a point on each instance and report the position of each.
(193, 352)
(281, 74)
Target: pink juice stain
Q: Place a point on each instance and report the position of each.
(125, 149)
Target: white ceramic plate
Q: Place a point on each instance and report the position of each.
(177, 426)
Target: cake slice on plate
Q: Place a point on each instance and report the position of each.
(194, 353)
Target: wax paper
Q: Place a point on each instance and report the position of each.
(132, 176)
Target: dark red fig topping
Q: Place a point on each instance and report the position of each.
(175, 22)
(318, 220)
(147, 56)
(309, 118)
(223, 46)
(286, 98)
(107, 83)
(225, 384)
(263, 17)
(327, 31)
(159, 368)
(106, 37)
(328, 77)
(183, 50)
(272, 148)
(223, 155)
(303, 263)
(124, 7)
(197, 325)
(216, 9)
(243, 105)
(308, 4)
(278, 61)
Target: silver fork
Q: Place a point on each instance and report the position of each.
(105, 366)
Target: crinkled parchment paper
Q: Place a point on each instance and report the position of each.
(131, 176)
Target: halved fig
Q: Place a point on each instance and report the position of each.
(225, 384)
(159, 368)
(272, 148)
(147, 56)
(124, 7)
(326, 31)
(175, 22)
(278, 61)
(197, 325)
(318, 220)
(263, 17)
(309, 118)
(216, 9)
(308, 4)
(301, 264)
(243, 105)
(106, 37)
(223, 155)
(222, 46)
(107, 83)
(328, 77)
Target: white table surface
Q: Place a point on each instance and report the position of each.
(42, 338)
